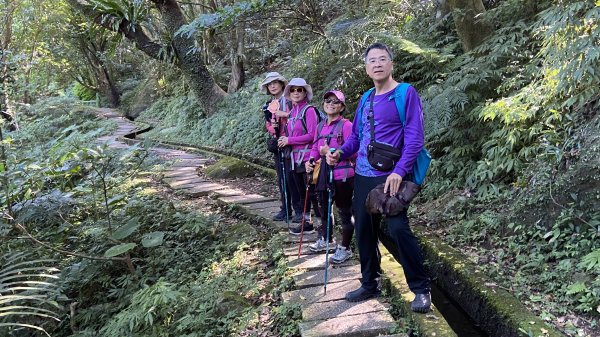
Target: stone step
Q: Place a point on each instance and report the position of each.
(263, 205)
(229, 192)
(289, 238)
(337, 274)
(245, 199)
(190, 162)
(188, 182)
(313, 262)
(341, 308)
(179, 171)
(202, 189)
(315, 293)
(363, 325)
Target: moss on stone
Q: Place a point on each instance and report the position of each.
(229, 167)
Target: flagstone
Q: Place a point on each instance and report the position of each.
(336, 274)
(245, 199)
(340, 308)
(202, 189)
(368, 324)
(312, 262)
(336, 290)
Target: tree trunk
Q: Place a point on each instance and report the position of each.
(201, 81)
(5, 69)
(238, 76)
(104, 83)
(471, 29)
(191, 64)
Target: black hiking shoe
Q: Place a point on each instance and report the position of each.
(297, 218)
(281, 216)
(421, 303)
(308, 229)
(362, 294)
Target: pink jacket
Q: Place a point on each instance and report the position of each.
(300, 140)
(339, 133)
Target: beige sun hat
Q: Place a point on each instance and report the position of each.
(272, 76)
(298, 82)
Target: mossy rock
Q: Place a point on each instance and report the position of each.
(229, 167)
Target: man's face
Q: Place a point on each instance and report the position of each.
(379, 65)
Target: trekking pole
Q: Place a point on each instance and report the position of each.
(285, 196)
(304, 211)
(329, 192)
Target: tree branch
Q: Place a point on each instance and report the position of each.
(23, 230)
(132, 32)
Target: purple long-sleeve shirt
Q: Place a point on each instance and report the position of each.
(300, 140)
(388, 130)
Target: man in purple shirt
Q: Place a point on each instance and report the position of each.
(389, 130)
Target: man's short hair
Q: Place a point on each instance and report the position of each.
(382, 46)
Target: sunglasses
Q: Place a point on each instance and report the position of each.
(332, 101)
(297, 89)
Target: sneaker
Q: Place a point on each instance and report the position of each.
(308, 229)
(362, 294)
(341, 254)
(421, 303)
(321, 246)
(281, 216)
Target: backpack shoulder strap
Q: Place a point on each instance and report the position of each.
(361, 105)
(303, 116)
(320, 128)
(400, 100)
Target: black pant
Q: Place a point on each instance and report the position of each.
(396, 236)
(343, 202)
(281, 183)
(298, 189)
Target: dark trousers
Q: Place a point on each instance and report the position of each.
(298, 186)
(278, 168)
(343, 202)
(297, 196)
(396, 236)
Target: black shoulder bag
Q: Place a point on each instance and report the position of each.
(381, 156)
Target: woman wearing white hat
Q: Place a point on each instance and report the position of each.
(300, 131)
(276, 113)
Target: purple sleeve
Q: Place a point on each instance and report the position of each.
(311, 129)
(414, 134)
(352, 143)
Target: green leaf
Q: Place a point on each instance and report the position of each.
(153, 239)
(576, 288)
(119, 249)
(127, 229)
(116, 199)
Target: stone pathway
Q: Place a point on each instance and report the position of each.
(323, 314)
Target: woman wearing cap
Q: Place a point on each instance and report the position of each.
(275, 111)
(331, 133)
(300, 131)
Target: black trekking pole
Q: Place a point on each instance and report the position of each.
(329, 206)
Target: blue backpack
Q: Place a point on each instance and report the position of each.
(423, 158)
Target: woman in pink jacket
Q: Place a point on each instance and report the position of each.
(297, 143)
(331, 133)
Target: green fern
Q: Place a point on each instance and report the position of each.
(27, 293)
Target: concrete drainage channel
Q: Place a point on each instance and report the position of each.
(465, 302)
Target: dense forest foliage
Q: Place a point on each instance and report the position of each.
(89, 247)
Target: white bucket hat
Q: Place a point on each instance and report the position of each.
(271, 77)
(298, 82)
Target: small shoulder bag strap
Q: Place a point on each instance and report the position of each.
(372, 116)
